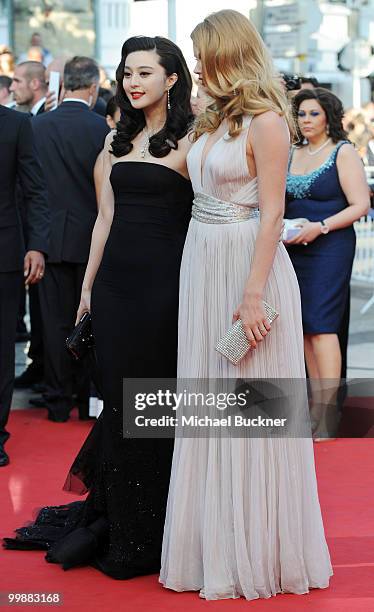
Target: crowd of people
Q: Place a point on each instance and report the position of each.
(39, 55)
(99, 195)
(35, 53)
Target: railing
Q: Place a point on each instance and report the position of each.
(369, 171)
(363, 265)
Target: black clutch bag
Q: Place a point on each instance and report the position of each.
(81, 339)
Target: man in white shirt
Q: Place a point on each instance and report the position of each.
(29, 86)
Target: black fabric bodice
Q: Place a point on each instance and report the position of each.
(152, 194)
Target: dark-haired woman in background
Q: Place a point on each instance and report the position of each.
(326, 185)
(133, 272)
(113, 113)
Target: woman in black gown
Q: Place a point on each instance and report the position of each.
(133, 270)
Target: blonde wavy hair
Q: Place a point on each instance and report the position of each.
(238, 73)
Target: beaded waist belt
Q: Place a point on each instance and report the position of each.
(211, 210)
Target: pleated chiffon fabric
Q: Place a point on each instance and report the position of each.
(243, 516)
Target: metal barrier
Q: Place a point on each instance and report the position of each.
(369, 171)
(363, 265)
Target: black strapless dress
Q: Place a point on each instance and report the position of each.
(119, 527)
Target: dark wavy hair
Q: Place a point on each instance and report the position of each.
(179, 117)
(331, 105)
(111, 107)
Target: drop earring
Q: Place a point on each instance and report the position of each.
(169, 105)
(327, 130)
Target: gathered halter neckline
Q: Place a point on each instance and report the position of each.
(203, 159)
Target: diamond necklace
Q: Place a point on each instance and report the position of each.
(319, 148)
(144, 149)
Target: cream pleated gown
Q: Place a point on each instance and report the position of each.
(243, 515)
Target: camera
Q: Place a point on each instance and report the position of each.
(292, 81)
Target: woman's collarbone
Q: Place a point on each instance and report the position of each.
(305, 165)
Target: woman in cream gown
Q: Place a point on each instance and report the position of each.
(243, 515)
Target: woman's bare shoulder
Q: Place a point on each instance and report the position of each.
(109, 139)
(348, 158)
(269, 131)
(100, 158)
(185, 143)
(269, 128)
(269, 120)
(347, 151)
(180, 154)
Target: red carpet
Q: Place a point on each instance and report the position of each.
(41, 453)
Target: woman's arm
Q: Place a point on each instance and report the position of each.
(100, 231)
(184, 145)
(268, 140)
(98, 175)
(354, 185)
(353, 182)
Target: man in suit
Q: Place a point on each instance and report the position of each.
(58, 65)
(17, 162)
(29, 87)
(68, 141)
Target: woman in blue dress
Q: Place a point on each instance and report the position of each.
(327, 189)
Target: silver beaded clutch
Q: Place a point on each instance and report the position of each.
(234, 344)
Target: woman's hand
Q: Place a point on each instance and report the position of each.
(252, 314)
(309, 231)
(85, 304)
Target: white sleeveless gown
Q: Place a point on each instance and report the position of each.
(243, 516)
